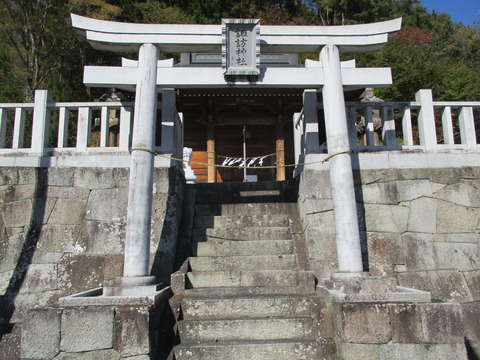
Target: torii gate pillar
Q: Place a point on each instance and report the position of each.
(341, 176)
(139, 212)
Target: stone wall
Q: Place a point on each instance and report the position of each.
(110, 332)
(62, 231)
(420, 226)
(382, 330)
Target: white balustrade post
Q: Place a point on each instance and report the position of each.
(407, 126)
(179, 136)
(351, 113)
(104, 127)
(426, 120)
(297, 135)
(341, 175)
(447, 126)
(369, 128)
(298, 142)
(140, 191)
(3, 127)
(388, 128)
(84, 127)
(19, 128)
(125, 128)
(310, 113)
(467, 128)
(63, 116)
(41, 122)
(168, 120)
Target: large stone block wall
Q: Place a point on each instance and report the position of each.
(421, 226)
(62, 231)
(392, 330)
(110, 332)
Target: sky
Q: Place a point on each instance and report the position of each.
(460, 10)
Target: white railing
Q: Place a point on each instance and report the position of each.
(423, 124)
(46, 128)
(178, 136)
(421, 133)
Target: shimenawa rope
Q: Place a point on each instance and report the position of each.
(242, 167)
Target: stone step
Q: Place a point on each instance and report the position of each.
(261, 306)
(212, 292)
(249, 192)
(208, 331)
(240, 209)
(233, 221)
(232, 247)
(254, 196)
(226, 263)
(244, 234)
(265, 278)
(271, 350)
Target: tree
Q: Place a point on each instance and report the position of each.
(417, 62)
(39, 36)
(343, 12)
(268, 11)
(157, 12)
(39, 48)
(410, 58)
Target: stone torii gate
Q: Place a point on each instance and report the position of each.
(147, 77)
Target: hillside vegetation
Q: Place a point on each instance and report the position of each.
(40, 50)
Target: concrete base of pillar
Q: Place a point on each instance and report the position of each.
(371, 289)
(97, 296)
(135, 280)
(133, 286)
(341, 276)
(131, 291)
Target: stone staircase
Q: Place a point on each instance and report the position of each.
(246, 288)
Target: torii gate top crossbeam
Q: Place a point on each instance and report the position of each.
(128, 37)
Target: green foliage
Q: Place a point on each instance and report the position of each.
(422, 60)
(459, 82)
(98, 9)
(268, 11)
(160, 13)
(39, 49)
(10, 80)
(41, 45)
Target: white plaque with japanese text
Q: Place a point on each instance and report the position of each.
(241, 46)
